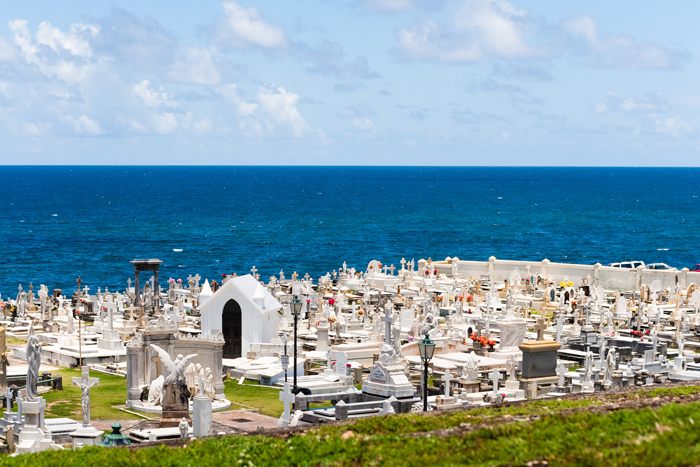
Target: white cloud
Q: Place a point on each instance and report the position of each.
(73, 42)
(84, 125)
(75, 69)
(481, 29)
(617, 50)
(7, 50)
(364, 124)
(33, 129)
(153, 98)
(245, 27)
(138, 127)
(280, 105)
(274, 113)
(195, 66)
(164, 123)
(600, 108)
(674, 127)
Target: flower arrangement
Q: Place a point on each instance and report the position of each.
(427, 273)
(486, 396)
(563, 284)
(171, 281)
(470, 298)
(331, 301)
(482, 340)
(361, 312)
(435, 272)
(640, 334)
(439, 297)
(332, 319)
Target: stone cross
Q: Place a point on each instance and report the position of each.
(197, 278)
(495, 376)
(85, 383)
(388, 320)
(8, 399)
(294, 276)
(447, 377)
(560, 327)
(79, 280)
(561, 371)
(540, 327)
(110, 305)
(403, 264)
(254, 270)
(287, 397)
(85, 290)
(392, 268)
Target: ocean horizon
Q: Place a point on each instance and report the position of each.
(61, 222)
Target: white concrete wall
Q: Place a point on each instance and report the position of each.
(608, 277)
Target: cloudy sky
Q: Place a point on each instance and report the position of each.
(341, 82)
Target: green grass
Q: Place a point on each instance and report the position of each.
(645, 437)
(252, 395)
(110, 392)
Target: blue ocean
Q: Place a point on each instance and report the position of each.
(61, 222)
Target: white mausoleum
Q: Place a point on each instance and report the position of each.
(244, 312)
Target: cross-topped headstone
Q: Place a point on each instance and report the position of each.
(403, 264)
(111, 307)
(287, 398)
(294, 276)
(79, 280)
(307, 276)
(254, 270)
(85, 290)
(388, 320)
(392, 269)
(495, 376)
(560, 327)
(85, 383)
(540, 327)
(446, 378)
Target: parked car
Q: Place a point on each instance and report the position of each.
(660, 266)
(627, 264)
(695, 268)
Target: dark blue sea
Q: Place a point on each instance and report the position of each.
(60, 222)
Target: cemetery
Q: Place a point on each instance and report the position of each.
(497, 362)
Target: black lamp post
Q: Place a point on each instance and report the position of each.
(426, 347)
(295, 306)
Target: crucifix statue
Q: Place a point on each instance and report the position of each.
(85, 383)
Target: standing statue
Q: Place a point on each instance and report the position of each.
(175, 369)
(472, 367)
(33, 363)
(191, 379)
(184, 428)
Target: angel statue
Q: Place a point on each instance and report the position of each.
(175, 369)
(33, 363)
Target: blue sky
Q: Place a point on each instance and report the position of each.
(368, 82)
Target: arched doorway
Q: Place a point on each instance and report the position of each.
(231, 328)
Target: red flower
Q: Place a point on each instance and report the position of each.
(470, 298)
(331, 301)
(223, 275)
(435, 271)
(349, 366)
(308, 301)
